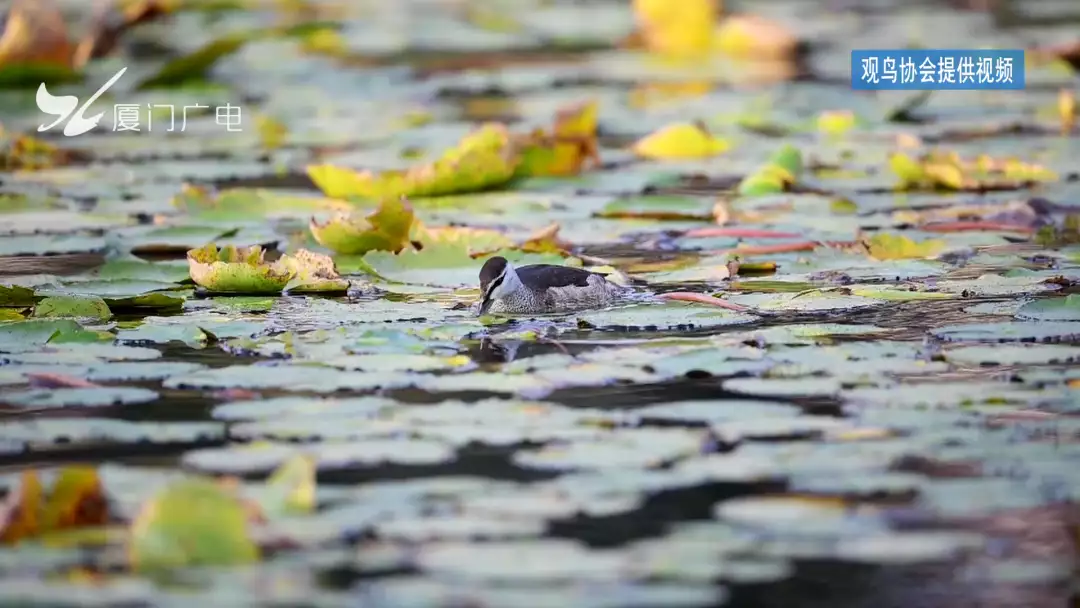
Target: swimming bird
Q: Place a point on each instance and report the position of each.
(543, 288)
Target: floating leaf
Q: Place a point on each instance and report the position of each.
(132, 268)
(237, 270)
(484, 159)
(191, 523)
(836, 122)
(777, 175)
(75, 307)
(313, 273)
(567, 149)
(1067, 110)
(387, 229)
(885, 246)
(754, 36)
(16, 296)
(291, 488)
(1052, 309)
(680, 141)
(75, 499)
(682, 28)
(195, 65)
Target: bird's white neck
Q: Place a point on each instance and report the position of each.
(511, 283)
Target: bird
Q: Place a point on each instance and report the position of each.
(543, 289)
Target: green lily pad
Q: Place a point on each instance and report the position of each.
(1019, 354)
(20, 334)
(80, 397)
(51, 244)
(74, 307)
(387, 229)
(664, 317)
(123, 294)
(1016, 331)
(232, 270)
(191, 523)
(1051, 309)
(50, 431)
(16, 296)
(136, 269)
(299, 378)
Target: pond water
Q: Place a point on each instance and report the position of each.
(886, 416)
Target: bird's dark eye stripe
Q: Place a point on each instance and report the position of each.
(493, 285)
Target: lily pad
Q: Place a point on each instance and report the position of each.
(80, 397)
(77, 307)
(232, 270)
(1052, 309)
(387, 229)
(664, 317)
(1016, 331)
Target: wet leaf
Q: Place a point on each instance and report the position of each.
(387, 229)
(76, 307)
(237, 270)
(484, 159)
(191, 523)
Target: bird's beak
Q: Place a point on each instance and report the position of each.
(485, 304)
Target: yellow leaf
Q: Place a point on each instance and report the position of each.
(272, 132)
(680, 141)
(754, 36)
(387, 229)
(567, 149)
(193, 522)
(946, 175)
(482, 160)
(1067, 110)
(292, 486)
(75, 500)
(236, 270)
(908, 170)
(21, 513)
(836, 122)
(677, 27)
(885, 246)
(313, 273)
